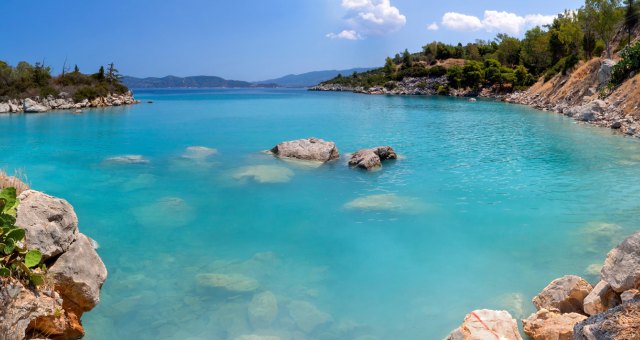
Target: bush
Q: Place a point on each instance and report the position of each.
(627, 66)
(437, 71)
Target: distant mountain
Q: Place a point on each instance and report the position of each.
(310, 78)
(184, 82)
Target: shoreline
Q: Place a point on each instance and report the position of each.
(63, 102)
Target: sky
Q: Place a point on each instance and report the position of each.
(249, 39)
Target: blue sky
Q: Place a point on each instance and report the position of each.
(249, 40)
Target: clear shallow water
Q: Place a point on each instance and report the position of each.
(489, 203)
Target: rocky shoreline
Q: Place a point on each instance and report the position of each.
(64, 102)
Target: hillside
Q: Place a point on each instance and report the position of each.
(184, 82)
(310, 78)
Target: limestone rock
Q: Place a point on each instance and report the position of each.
(20, 306)
(622, 267)
(372, 158)
(307, 316)
(546, 325)
(619, 323)
(587, 112)
(629, 295)
(51, 224)
(79, 273)
(228, 283)
(263, 309)
(601, 298)
(4, 108)
(487, 324)
(310, 149)
(604, 73)
(30, 105)
(565, 294)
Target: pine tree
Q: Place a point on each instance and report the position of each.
(631, 17)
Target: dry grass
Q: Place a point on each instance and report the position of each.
(18, 181)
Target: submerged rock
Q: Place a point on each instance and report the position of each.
(369, 159)
(229, 283)
(619, 323)
(263, 310)
(622, 267)
(310, 149)
(546, 325)
(50, 223)
(307, 316)
(166, 212)
(127, 159)
(487, 324)
(264, 173)
(198, 152)
(565, 294)
(601, 298)
(386, 202)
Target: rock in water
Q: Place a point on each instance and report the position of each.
(565, 294)
(619, 323)
(622, 267)
(546, 324)
(51, 223)
(310, 149)
(487, 324)
(229, 283)
(127, 159)
(369, 159)
(264, 173)
(263, 309)
(79, 274)
(601, 298)
(307, 316)
(198, 152)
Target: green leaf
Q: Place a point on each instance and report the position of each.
(9, 195)
(36, 279)
(32, 258)
(16, 234)
(9, 245)
(4, 272)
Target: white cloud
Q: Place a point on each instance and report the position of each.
(370, 17)
(433, 27)
(348, 35)
(495, 21)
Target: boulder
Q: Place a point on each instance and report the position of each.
(20, 306)
(372, 158)
(263, 310)
(228, 283)
(622, 266)
(565, 294)
(5, 108)
(51, 224)
(601, 298)
(310, 149)
(545, 325)
(616, 125)
(487, 324)
(604, 73)
(307, 316)
(78, 274)
(30, 105)
(618, 323)
(629, 295)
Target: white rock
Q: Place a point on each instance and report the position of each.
(487, 324)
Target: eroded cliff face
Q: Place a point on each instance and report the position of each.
(74, 278)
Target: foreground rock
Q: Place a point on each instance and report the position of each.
(545, 325)
(601, 298)
(621, 269)
(619, 323)
(63, 102)
(487, 324)
(565, 294)
(369, 159)
(310, 149)
(76, 273)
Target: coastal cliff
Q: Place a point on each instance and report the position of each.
(64, 102)
(72, 272)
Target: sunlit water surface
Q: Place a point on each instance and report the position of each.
(488, 203)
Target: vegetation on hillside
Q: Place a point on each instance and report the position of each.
(507, 62)
(26, 80)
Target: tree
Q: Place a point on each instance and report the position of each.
(630, 17)
(113, 75)
(473, 74)
(586, 17)
(76, 70)
(100, 74)
(606, 20)
(407, 59)
(455, 76)
(535, 52)
(508, 52)
(389, 66)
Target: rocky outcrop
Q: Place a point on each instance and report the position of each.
(310, 149)
(565, 294)
(487, 324)
(622, 267)
(604, 73)
(408, 86)
(369, 159)
(601, 298)
(546, 325)
(587, 112)
(619, 323)
(76, 273)
(63, 102)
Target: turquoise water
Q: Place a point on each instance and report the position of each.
(489, 203)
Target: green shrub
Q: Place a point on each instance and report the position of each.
(628, 65)
(16, 261)
(442, 90)
(437, 71)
